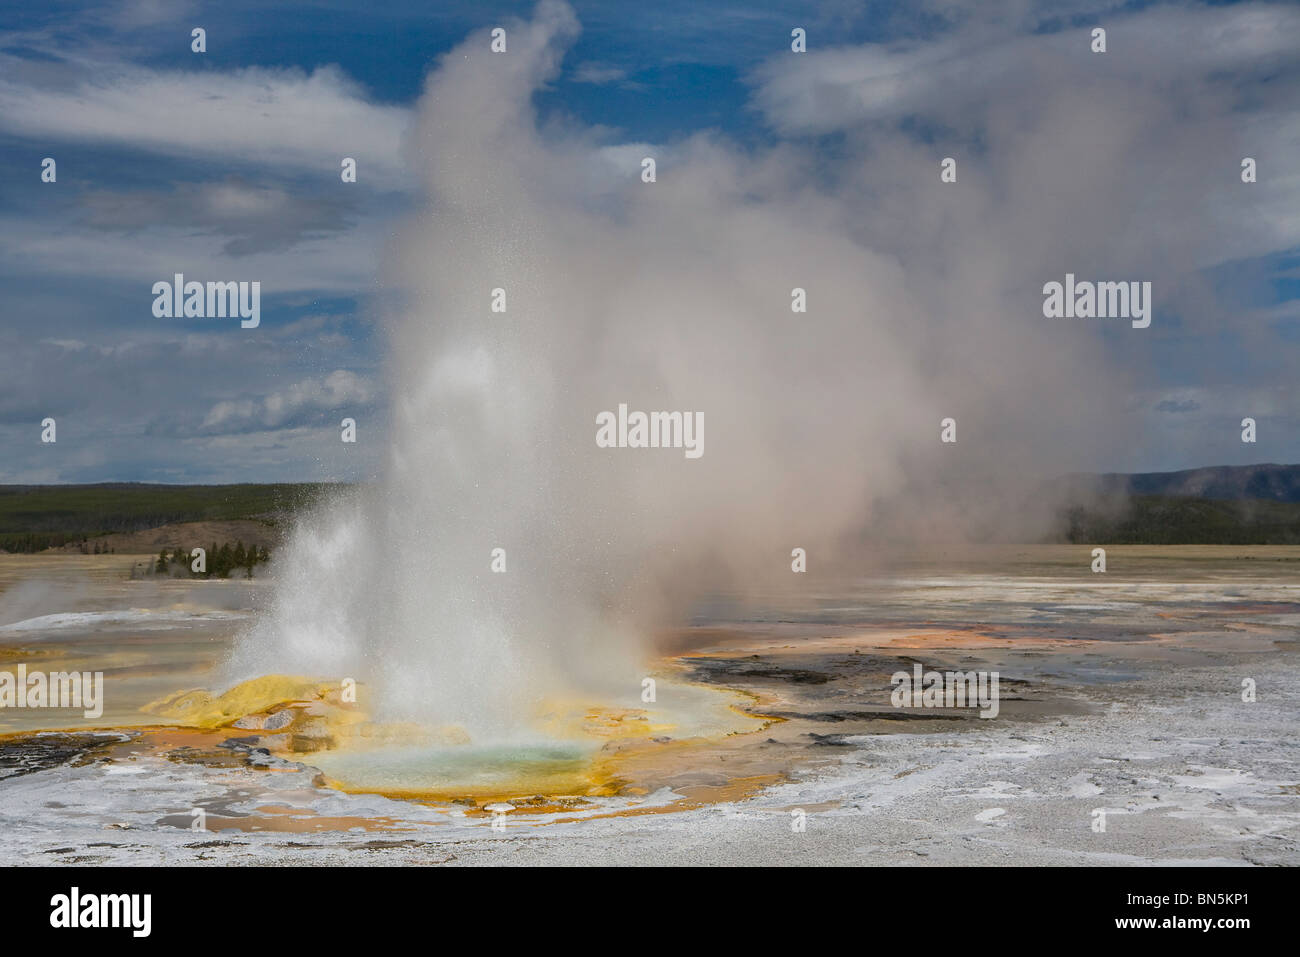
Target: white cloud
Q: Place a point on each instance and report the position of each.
(336, 391)
(844, 87)
(343, 262)
(1162, 119)
(597, 74)
(276, 117)
(139, 13)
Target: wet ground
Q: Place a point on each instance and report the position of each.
(772, 739)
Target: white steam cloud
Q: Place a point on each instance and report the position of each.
(924, 302)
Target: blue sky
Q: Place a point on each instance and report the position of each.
(224, 165)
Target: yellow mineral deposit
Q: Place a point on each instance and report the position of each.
(581, 748)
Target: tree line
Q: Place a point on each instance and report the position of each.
(221, 561)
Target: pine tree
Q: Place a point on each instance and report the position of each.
(161, 566)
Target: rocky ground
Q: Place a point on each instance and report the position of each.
(1184, 771)
(1122, 737)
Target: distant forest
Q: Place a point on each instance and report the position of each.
(1169, 520)
(1230, 505)
(36, 517)
(221, 562)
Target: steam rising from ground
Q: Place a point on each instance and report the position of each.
(923, 302)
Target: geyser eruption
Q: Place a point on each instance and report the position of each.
(673, 295)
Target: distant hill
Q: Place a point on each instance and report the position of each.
(1272, 483)
(1221, 505)
(1169, 520)
(36, 517)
